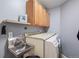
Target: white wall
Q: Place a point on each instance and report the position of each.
(69, 28)
(11, 9)
(54, 20)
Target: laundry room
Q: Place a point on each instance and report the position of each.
(39, 28)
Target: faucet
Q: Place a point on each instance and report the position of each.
(24, 38)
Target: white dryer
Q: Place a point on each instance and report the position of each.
(46, 45)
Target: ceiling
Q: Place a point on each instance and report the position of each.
(52, 3)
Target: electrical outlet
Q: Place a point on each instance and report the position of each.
(25, 28)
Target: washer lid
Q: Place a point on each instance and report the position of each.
(43, 36)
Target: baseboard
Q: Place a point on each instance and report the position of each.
(63, 56)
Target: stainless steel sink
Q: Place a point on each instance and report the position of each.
(19, 47)
(20, 51)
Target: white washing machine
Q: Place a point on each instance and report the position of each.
(46, 45)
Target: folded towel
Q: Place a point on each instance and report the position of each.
(3, 30)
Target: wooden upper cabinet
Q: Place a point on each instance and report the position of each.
(37, 14)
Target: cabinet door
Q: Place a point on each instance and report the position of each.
(40, 15)
(43, 16)
(32, 12)
(29, 11)
(36, 12)
(38, 46)
(46, 18)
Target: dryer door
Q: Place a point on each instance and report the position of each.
(51, 48)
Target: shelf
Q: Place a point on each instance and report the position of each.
(14, 21)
